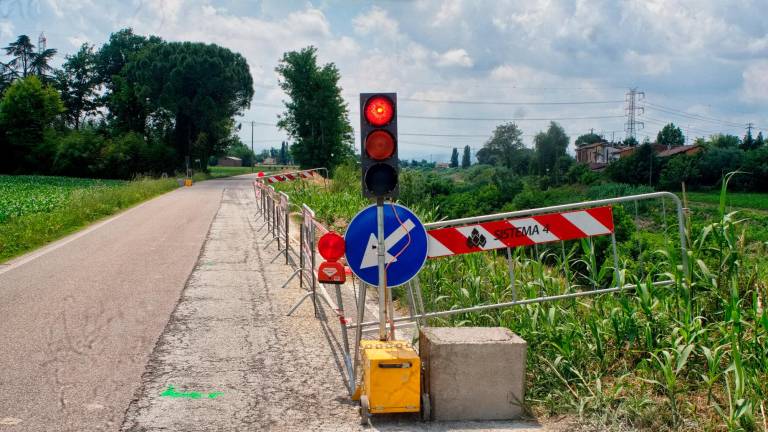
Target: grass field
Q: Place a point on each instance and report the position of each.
(222, 171)
(758, 201)
(35, 210)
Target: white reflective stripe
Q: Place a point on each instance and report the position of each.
(586, 223)
(532, 229)
(491, 242)
(435, 248)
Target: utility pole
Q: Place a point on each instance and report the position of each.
(253, 155)
(632, 110)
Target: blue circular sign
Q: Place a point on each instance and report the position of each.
(405, 242)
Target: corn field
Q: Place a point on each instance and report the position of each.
(690, 355)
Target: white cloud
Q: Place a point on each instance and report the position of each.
(454, 57)
(6, 29)
(376, 22)
(649, 64)
(681, 52)
(77, 41)
(755, 82)
(449, 11)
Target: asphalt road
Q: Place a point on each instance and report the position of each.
(79, 319)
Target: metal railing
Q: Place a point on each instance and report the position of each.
(618, 280)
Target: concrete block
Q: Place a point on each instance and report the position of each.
(474, 373)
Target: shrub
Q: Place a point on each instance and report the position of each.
(78, 153)
(679, 169)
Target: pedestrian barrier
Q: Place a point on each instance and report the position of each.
(296, 175)
(493, 233)
(537, 226)
(274, 208)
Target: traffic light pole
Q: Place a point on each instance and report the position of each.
(382, 254)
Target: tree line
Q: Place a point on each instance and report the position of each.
(136, 105)
(549, 162)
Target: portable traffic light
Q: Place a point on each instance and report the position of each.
(378, 135)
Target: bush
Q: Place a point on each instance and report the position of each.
(27, 113)
(531, 197)
(678, 170)
(641, 167)
(613, 190)
(716, 162)
(580, 173)
(79, 154)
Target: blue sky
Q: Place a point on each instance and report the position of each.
(702, 64)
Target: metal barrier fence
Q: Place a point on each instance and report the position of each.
(274, 207)
(296, 175)
(618, 283)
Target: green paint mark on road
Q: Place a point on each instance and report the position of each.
(171, 392)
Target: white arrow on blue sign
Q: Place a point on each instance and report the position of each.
(405, 242)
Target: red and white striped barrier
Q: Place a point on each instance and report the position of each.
(278, 178)
(543, 228)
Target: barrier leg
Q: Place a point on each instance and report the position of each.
(293, 275)
(358, 334)
(306, 296)
(344, 337)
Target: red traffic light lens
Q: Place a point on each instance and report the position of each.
(331, 246)
(379, 110)
(379, 145)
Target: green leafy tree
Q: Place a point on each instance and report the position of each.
(724, 141)
(283, 153)
(505, 147)
(550, 147)
(670, 136)
(641, 167)
(26, 61)
(680, 169)
(759, 140)
(6, 77)
(78, 83)
(454, 158)
(237, 149)
(127, 111)
(630, 142)
(79, 154)
(718, 161)
(201, 86)
(27, 112)
(41, 66)
(316, 116)
(589, 138)
(748, 143)
(22, 52)
(466, 160)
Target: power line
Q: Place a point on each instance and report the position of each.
(467, 102)
(446, 135)
(695, 129)
(680, 113)
(508, 119)
(436, 145)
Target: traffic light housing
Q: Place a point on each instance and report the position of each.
(378, 138)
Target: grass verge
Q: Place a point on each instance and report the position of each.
(23, 233)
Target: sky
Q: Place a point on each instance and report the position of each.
(462, 67)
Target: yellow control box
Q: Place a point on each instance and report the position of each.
(391, 376)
